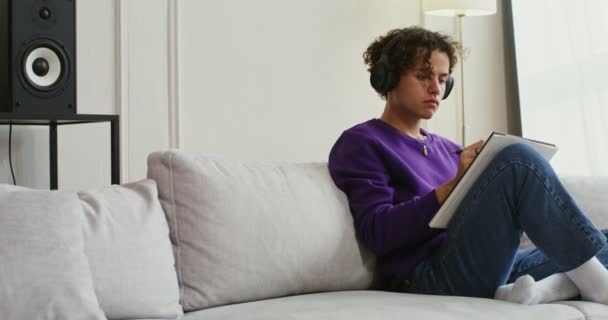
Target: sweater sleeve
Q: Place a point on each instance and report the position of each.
(356, 166)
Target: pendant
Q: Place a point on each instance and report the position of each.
(425, 151)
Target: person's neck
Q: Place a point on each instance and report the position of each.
(408, 126)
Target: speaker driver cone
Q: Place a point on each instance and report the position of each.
(42, 68)
(45, 67)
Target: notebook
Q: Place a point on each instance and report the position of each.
(494, 144)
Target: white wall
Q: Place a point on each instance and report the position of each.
(274, 79)
(144, 83)
(267, 79)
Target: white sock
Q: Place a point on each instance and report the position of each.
(502, 292)
(591, 278)
(525, 290)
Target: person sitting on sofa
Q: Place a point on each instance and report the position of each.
(396, 175)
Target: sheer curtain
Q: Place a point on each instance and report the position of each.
(561, 51)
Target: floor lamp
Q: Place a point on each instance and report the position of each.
(460, 9)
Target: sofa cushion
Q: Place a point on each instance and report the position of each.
(246, 231)
(43, 268)
(364, 305)
(128, 246)
(591, 310)
(590, 194)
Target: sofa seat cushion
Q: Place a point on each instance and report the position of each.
(592, 311)
(364, 305)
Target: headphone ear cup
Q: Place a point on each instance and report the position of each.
(449, 84)
(380, 75)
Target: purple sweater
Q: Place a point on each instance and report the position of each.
(390, 184)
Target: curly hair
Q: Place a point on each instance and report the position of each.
(411, 43)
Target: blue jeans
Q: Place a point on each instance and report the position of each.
(518, 191)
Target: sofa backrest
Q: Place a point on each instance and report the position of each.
(246, 231)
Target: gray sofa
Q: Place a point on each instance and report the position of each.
(206, 238)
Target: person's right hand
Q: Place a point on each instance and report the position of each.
(467, 156)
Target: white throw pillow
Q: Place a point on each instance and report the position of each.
(128, 246)
(246, 231)
(44, 273)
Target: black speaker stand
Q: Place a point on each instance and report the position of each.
(52, 121)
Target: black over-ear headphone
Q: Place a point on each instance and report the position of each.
(383, 78)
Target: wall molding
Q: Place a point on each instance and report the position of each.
(173, 72)
(122, 85)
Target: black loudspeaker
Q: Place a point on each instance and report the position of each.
(383, 78)
(38, 56)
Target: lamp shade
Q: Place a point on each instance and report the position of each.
(459, 7)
